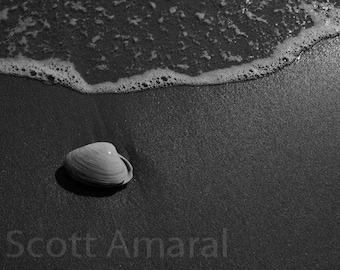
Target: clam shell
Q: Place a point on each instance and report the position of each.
(98, 164)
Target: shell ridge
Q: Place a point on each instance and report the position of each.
(98, 164)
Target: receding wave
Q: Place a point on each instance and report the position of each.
(326, 23)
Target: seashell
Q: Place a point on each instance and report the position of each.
(98, 164)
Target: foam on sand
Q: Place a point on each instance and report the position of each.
(326, 20)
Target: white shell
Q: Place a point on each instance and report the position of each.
(98, 164)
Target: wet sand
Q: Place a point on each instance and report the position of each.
(250, 169)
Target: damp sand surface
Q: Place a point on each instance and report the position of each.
(256, 158)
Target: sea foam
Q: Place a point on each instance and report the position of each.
(326, 20)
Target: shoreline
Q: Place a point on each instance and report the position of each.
(56, 71)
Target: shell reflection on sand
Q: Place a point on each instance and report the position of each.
(98, 164)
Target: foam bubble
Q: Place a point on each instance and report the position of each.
(326, 20)
(52, 71)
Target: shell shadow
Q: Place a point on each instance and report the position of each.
(68, 183)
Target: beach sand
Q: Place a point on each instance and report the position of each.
(252, 166)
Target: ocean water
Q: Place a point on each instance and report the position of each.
(133, 45)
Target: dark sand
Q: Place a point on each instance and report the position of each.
(259, 160)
